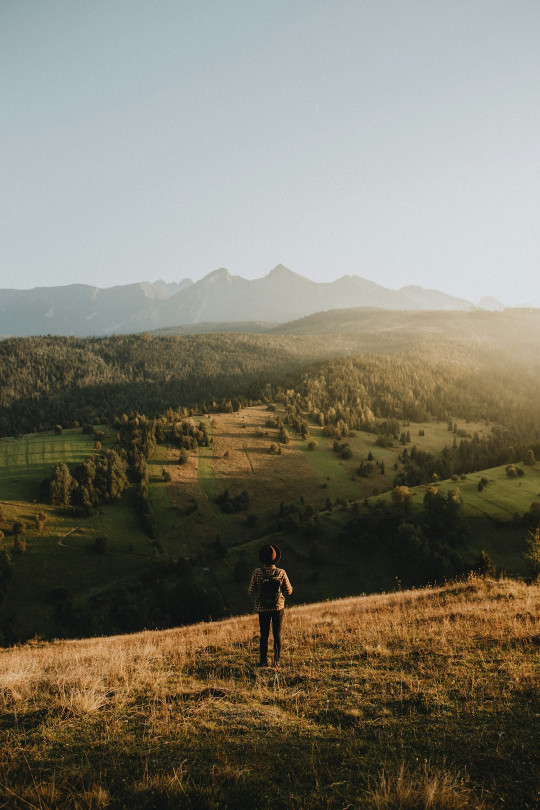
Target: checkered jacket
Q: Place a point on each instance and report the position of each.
(255, 588)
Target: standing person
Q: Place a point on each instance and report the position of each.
(269, 585)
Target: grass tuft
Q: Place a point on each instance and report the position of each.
(430, 789)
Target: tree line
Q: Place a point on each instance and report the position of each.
(50, 380)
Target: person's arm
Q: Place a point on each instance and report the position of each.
(255, 582)
(286, 584)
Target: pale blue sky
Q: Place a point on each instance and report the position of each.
(398, 140)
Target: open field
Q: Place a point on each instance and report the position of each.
(339, 473)
(239, 459)
(26, 460)
(242, 460)
(223, 546)
(501, 498)
(61, 554)
(415, 699)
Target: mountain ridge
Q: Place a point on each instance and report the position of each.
(219, 297)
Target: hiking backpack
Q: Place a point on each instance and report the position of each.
(270, 590)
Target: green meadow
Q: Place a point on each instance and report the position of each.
(223, 547)
(61, 555)
(339, 475)
(27, 459)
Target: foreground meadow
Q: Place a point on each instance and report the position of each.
(413, 699)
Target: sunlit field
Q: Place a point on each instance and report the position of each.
(415, 699)
(25, 460)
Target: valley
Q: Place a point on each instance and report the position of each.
(395, 463)
(300, 494)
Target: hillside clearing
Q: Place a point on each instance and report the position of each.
(25, 460)
(430, 690)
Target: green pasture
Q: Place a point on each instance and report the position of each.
(502, 497)
(206, 477)
(338, 482)
(26, 460)
(491, 512)
(62, 554)
(339, 475)
(168, 523)
(436, 437)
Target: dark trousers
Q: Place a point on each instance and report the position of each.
(274, 618)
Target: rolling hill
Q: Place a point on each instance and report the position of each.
(312, 502)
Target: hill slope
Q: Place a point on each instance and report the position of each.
(428, 694)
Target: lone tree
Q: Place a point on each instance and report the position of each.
(61, 484)
(401, 495)
(19, 543)
(530, 458)
(283, 436)
(532, 555)
(5, 573)
(484, 565)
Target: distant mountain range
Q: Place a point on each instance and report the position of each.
(219, 297)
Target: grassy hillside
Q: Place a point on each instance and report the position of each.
(514, 331)
(61, 553)
(61, 586)
(27, 459)
(415, 699)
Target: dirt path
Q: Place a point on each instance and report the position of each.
(71, 531)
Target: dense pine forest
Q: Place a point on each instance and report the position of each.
(50, 380)
(46, 381)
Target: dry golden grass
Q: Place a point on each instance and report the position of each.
(237, 460)
(242, 460)
(199, 519)
(419, 699)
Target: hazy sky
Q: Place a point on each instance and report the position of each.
(398, 140)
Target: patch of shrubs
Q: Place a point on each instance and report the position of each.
(238, 503)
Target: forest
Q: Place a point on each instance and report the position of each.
(416, 372)
(50, 380)
(142, 397)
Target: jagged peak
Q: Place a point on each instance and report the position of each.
(221, 272)
(282, 272)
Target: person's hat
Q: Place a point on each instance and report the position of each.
(270, 555)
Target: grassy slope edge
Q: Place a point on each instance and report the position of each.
(409, 699)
